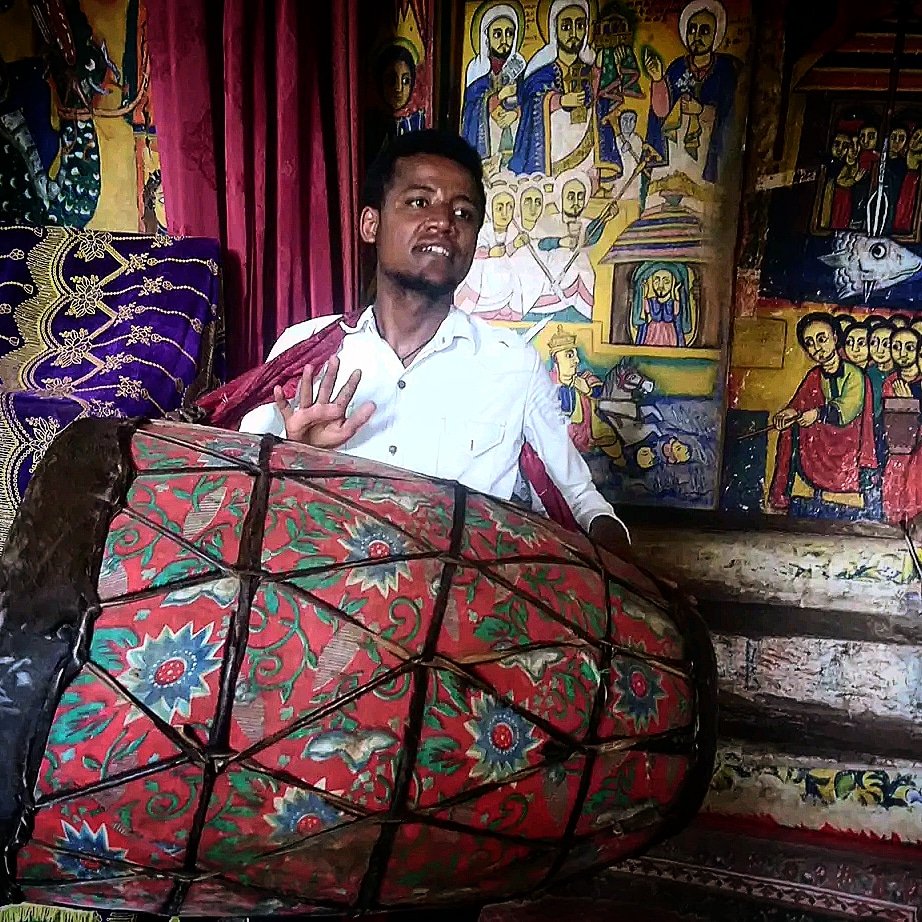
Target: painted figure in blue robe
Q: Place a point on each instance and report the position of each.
(490, 114)
(661, 314)
(565, 122)
(692, 102)
(395, 75)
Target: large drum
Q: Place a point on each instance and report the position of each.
(242, 676)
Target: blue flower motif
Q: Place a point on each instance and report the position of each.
(641, 692)
(371, 541)
(300, 814)
(502, 740)
(166, 672)
(94, 850)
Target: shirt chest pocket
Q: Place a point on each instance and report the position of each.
(464, 443)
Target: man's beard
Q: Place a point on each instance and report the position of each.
(572, 46)
(498, 55)
(432, 290)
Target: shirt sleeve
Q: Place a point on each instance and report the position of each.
(266, 419)
(546, 430)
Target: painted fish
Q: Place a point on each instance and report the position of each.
(864, 264)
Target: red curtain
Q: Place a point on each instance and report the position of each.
(257, 112)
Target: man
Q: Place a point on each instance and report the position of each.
(825, 433)
(692, 101)
(422, 385)
(564, 123)
(490, 114)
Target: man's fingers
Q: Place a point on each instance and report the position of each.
(281, 403)
(306, 390)
(347, 391)
(355, 422)
(325, 390)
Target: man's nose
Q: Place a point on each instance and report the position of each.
(441, 214)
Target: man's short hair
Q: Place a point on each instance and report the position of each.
(438, 143)
(818, 317)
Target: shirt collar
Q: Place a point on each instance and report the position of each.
(457, 325)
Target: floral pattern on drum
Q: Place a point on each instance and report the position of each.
(350, 687)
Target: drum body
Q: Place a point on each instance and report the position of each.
(242, 676)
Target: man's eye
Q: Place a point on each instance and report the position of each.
(465, 214)
(418, 202)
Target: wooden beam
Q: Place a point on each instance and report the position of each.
(817, 730)
(726, 615)
(848, 573)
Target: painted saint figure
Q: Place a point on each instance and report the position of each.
(490, 115)
(579, 393)
(902, 475)
(564, 121)
(571, 276)
(661, 313)
(826, 432)
(691, 103)
(491, 289)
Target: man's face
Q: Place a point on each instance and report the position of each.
(839, 146)
(398, 84)
(819, 342)
(567, 362)
(915, 141)
(905, 348)
(501, 36)
(532, 207)
(856, 345)
(627, 122)
(663, 282)
(898, 140)
(426, 231)
(571, 29)
(501, 210)
(701, 32)
(867, 137)
(573, 198)
(880, 346)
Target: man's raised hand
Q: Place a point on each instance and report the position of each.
(323, 423)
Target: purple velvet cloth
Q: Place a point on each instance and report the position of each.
(94, 323)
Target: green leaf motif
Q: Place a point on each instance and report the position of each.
(80, 723)
(440, 754)
(107, 641)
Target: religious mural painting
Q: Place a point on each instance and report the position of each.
(400, 78)
(77, 144)
(610, 136)
(825, 383)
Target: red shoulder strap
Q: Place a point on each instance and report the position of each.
(226, 406)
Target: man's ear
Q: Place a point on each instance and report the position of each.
(368, 224)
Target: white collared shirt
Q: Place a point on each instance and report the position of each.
(460, 411)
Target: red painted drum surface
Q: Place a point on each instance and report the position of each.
(272, 679)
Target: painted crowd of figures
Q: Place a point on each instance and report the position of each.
(573, 139)
(860, 164)
(848, 440)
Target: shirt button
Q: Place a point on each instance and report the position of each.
(401, 384)
(393, 449)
